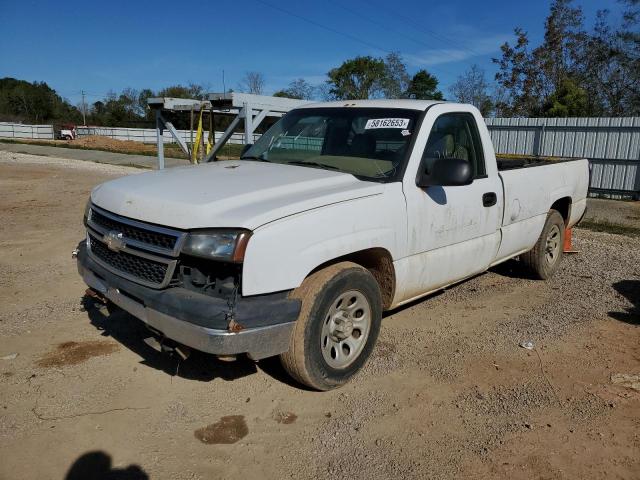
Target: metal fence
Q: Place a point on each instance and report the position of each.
(148, 135)
(19, 130)
(611, 144)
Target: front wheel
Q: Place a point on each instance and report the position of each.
(544, 258)
(337, 328)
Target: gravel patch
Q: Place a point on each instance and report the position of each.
(583, 291)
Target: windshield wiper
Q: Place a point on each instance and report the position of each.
(312, 164)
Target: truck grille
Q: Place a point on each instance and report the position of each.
(158, 239)
(141, 252)
(145, 269)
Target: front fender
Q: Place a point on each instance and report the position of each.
(281, 254)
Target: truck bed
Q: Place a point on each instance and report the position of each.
(511, 162)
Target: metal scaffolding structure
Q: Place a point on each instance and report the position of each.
(244, 107)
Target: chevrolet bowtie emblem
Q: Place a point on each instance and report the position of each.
(114, 240)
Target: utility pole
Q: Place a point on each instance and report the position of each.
(84, 110)
(224, 87)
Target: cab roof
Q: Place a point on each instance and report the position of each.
(408, 104)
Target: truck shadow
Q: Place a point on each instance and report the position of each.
(130, 332)
(512, 269)
(630, 289)
(98, 465)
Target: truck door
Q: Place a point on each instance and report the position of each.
(454, 232)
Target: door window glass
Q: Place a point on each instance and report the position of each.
(455, 135)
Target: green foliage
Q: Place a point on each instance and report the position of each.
(298, 89)
(601, 67)
(569, 100)
(424, 86)
(361, 78)
(357, 78)
(33, 102)
(191, 90)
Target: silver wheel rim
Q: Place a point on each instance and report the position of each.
(345, 329)
(552, 247)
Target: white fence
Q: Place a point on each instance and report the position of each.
(611, 144)
(19, 130)
(148, 135)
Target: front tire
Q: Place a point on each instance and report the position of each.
(543, 260)
(337, 328)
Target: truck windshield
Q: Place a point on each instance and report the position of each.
(370, 143)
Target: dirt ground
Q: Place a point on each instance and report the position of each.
(448, 393)
(129, 147)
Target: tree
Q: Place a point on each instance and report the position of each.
(500, 101)
(517, 76)
(564, 38)
(33, 102)
(143, 108)
(569, 100)
(396, 80)
(299, 89)
(192, 90)
(253, 82)
(357, 78)
(530, 77)
(98, 108)
(630, 55)
(424, 86)
(603, 64)
(129, 97)
(472, 87)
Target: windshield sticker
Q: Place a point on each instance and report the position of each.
(404, 133)
(387, 123)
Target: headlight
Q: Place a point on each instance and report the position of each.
(228, 245)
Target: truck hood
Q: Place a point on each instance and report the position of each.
(240, 194)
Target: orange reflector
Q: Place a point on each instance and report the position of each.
(568, 247)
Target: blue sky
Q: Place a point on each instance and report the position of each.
(110, 45)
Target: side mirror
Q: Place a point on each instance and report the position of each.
(245, 148)
(446, 172)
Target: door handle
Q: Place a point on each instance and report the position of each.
(489, 199)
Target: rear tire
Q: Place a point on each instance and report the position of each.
(337, 328)
(543, 260)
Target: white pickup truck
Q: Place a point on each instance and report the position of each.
(339, 212)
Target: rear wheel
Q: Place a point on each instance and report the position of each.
(544, 258)
(337, 328)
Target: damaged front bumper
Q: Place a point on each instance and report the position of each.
(264, 323)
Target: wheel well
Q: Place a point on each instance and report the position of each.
(379, 263)
(563, 206)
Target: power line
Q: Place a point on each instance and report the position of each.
(320, 25)
(338, 32)
(382, 25)
(417, 26)
(375, 22)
